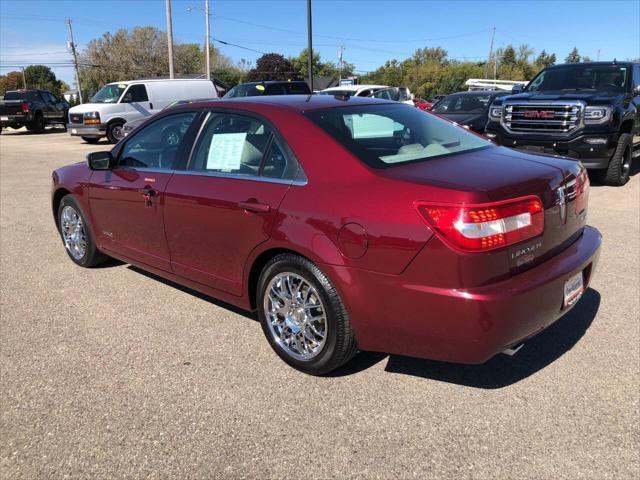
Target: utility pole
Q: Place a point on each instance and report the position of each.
(207, 52)
(24, 79)
(72, 45)
(310, 44)
(493, 34)
(170, 37)
(598, 57)
(340, 64)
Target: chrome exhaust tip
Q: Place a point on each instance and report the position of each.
(511, 351)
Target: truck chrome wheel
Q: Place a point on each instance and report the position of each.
(73, 233)
(296, 316)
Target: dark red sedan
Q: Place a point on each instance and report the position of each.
(347, 223)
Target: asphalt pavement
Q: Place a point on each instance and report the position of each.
(115, 373)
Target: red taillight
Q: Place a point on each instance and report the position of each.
(478, 228)
(24, 107)
(582, 191)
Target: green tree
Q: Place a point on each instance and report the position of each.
(545, 60)
(42, 77)
(320, 68)
(140, 53)
(573, 57)
(508, 56)
(10, 81)
(272, 66)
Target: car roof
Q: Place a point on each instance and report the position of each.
(272, 82)
(298, 103)
(479, 92)
(593, 64)
(354, 88)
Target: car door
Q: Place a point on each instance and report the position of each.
(136, 102)
(225, 202)
(127, 201)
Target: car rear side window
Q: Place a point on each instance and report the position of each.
(241, 145)
(156, 145)
(393, 134)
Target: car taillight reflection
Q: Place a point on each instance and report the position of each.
(479, 228)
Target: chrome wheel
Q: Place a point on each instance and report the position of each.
(296, 316)
(73, 235)
(173, 139)
(118, 132)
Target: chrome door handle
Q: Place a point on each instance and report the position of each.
(254, 206)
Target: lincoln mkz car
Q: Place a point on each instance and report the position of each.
(347, 223)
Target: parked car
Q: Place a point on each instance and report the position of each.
(33, 109)
(587, 111)
(469, 109)
(121, 102)
(352, 90)
(397, 94)
(465, 250)
(422, 104)
(272, 87)
(132, 125)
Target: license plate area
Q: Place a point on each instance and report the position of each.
(573, 289)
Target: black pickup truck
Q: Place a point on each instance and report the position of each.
(32, 109)
(587, 111)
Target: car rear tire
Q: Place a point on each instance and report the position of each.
(115, 132)
(76, 235)
(38, 124)
(302, 315)
(617, 173)
(91, 140)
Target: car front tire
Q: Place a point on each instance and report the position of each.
(76, 235)
(617, 173)
(302, 315)
(91, 140)
(115, 132)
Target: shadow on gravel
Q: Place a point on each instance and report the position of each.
(195, 293)
(502, 370)
(24, 131)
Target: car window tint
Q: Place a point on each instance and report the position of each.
(136, 93)
(231, 144)
(276, 164)
(276, 89)
(156, 145)
(298, 88)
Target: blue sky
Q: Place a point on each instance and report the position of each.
(371, 31)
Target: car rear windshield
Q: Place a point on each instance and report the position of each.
(31, 96)
(463, 104)
(394, 134)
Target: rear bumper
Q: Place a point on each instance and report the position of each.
(393, 315)
(91, 131)
(14, 121)
(592, 156)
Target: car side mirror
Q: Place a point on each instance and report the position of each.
(517, 89)
(99, 160)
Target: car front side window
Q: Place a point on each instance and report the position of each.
(156, 145)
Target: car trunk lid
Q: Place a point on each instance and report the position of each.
(497, 174)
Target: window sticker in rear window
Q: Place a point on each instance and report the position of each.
(225, 151)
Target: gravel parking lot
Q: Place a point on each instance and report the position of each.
(114, 373)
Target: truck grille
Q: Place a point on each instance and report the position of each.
(559, 118)
(75, 117)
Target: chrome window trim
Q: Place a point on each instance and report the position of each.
(233, 176)
(542, 103)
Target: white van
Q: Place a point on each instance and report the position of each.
(120, 102)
